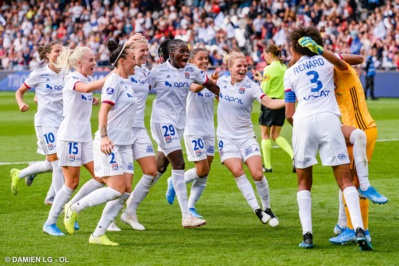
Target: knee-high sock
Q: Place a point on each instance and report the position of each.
(140, 192)
(359, 140)
(263, 191)
(304, 200)
(190, 175)
(95, 198)
(266, 145)
(60, 200)
(247, 191)
(111, 210)
(197, 189)
(364, 210)
(86, 189)
(50, 193)
(57, 177)
(36, 168)
(352, 202)
(342, 221)
(283, 143)
(181, 191)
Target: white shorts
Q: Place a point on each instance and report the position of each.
(46, 139)
(238, 148)
(72, 153)
(142, 145)
(120, 160)
(167, 136)
(198, 148)
(321, 132)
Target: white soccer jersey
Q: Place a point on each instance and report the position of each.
(312, 80)
(172, 86)
(48, 88)
(141, 90)
(119, 93)
(76, 113)
(235, 107)
(199, 112)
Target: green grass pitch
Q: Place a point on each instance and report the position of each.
(233, 234)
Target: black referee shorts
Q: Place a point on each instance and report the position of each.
(270, 117)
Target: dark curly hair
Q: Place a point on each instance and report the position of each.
(300, 31)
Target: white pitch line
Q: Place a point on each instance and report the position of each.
(12, 163)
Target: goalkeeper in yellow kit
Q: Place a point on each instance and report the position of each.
(360, 131)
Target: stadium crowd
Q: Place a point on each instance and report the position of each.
(347, 26)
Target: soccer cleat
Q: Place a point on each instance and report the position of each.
(101, 240)
(194, 213)
(192, 222)
(76, 226)
(29, 180)
(49, 201)
(113, 227)
(307, 241)
(347, 235)
(265, 170)
(373, 195)
(293, 166)
(362, 241)
(273, 218)
(264, 217)
(70, 218)
(131, 219)
(170, 192)
(15, 180)
(52, 230)
(338, 229)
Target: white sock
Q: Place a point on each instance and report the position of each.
(359, 140)
(196, 190)
(60, 200)
(304, 200)
(36, 168)
(352, 202)
(263, 191)
(190, 175)
(57, 178)
(181, 191)
(111, 210)
(95, 198)
(86, 189)
(140, 192)
(247, 191)
(342, 221)
(50, 193)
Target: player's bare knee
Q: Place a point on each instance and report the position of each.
(257, 176)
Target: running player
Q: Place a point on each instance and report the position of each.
(199, 135)
(48, 83)
(113, 157)
(271, 121)
(172, 81)
(355, 119)
(236, 137)
(316, 126)
(74, 140)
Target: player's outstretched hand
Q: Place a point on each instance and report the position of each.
(215, 75)
(311, 45)
(257, 75)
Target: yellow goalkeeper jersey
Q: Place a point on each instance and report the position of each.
(350, 97)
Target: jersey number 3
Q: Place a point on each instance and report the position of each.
(314, 79)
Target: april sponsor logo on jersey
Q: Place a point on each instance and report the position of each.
(87, 97)
(129, 95)
(205, 94)
(231, 98)
(308, 64)
(110, 91)
(55, 87)
(137, 80)
(168, 84)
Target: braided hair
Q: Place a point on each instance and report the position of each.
(166, 47)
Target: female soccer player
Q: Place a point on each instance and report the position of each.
(113, 157)
(199, 135)
(74, 140)
(271, 121)
(236, 138)
(172, 81)
(316, 126)
(48, 83)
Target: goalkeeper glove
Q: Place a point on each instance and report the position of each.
(311, 45)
